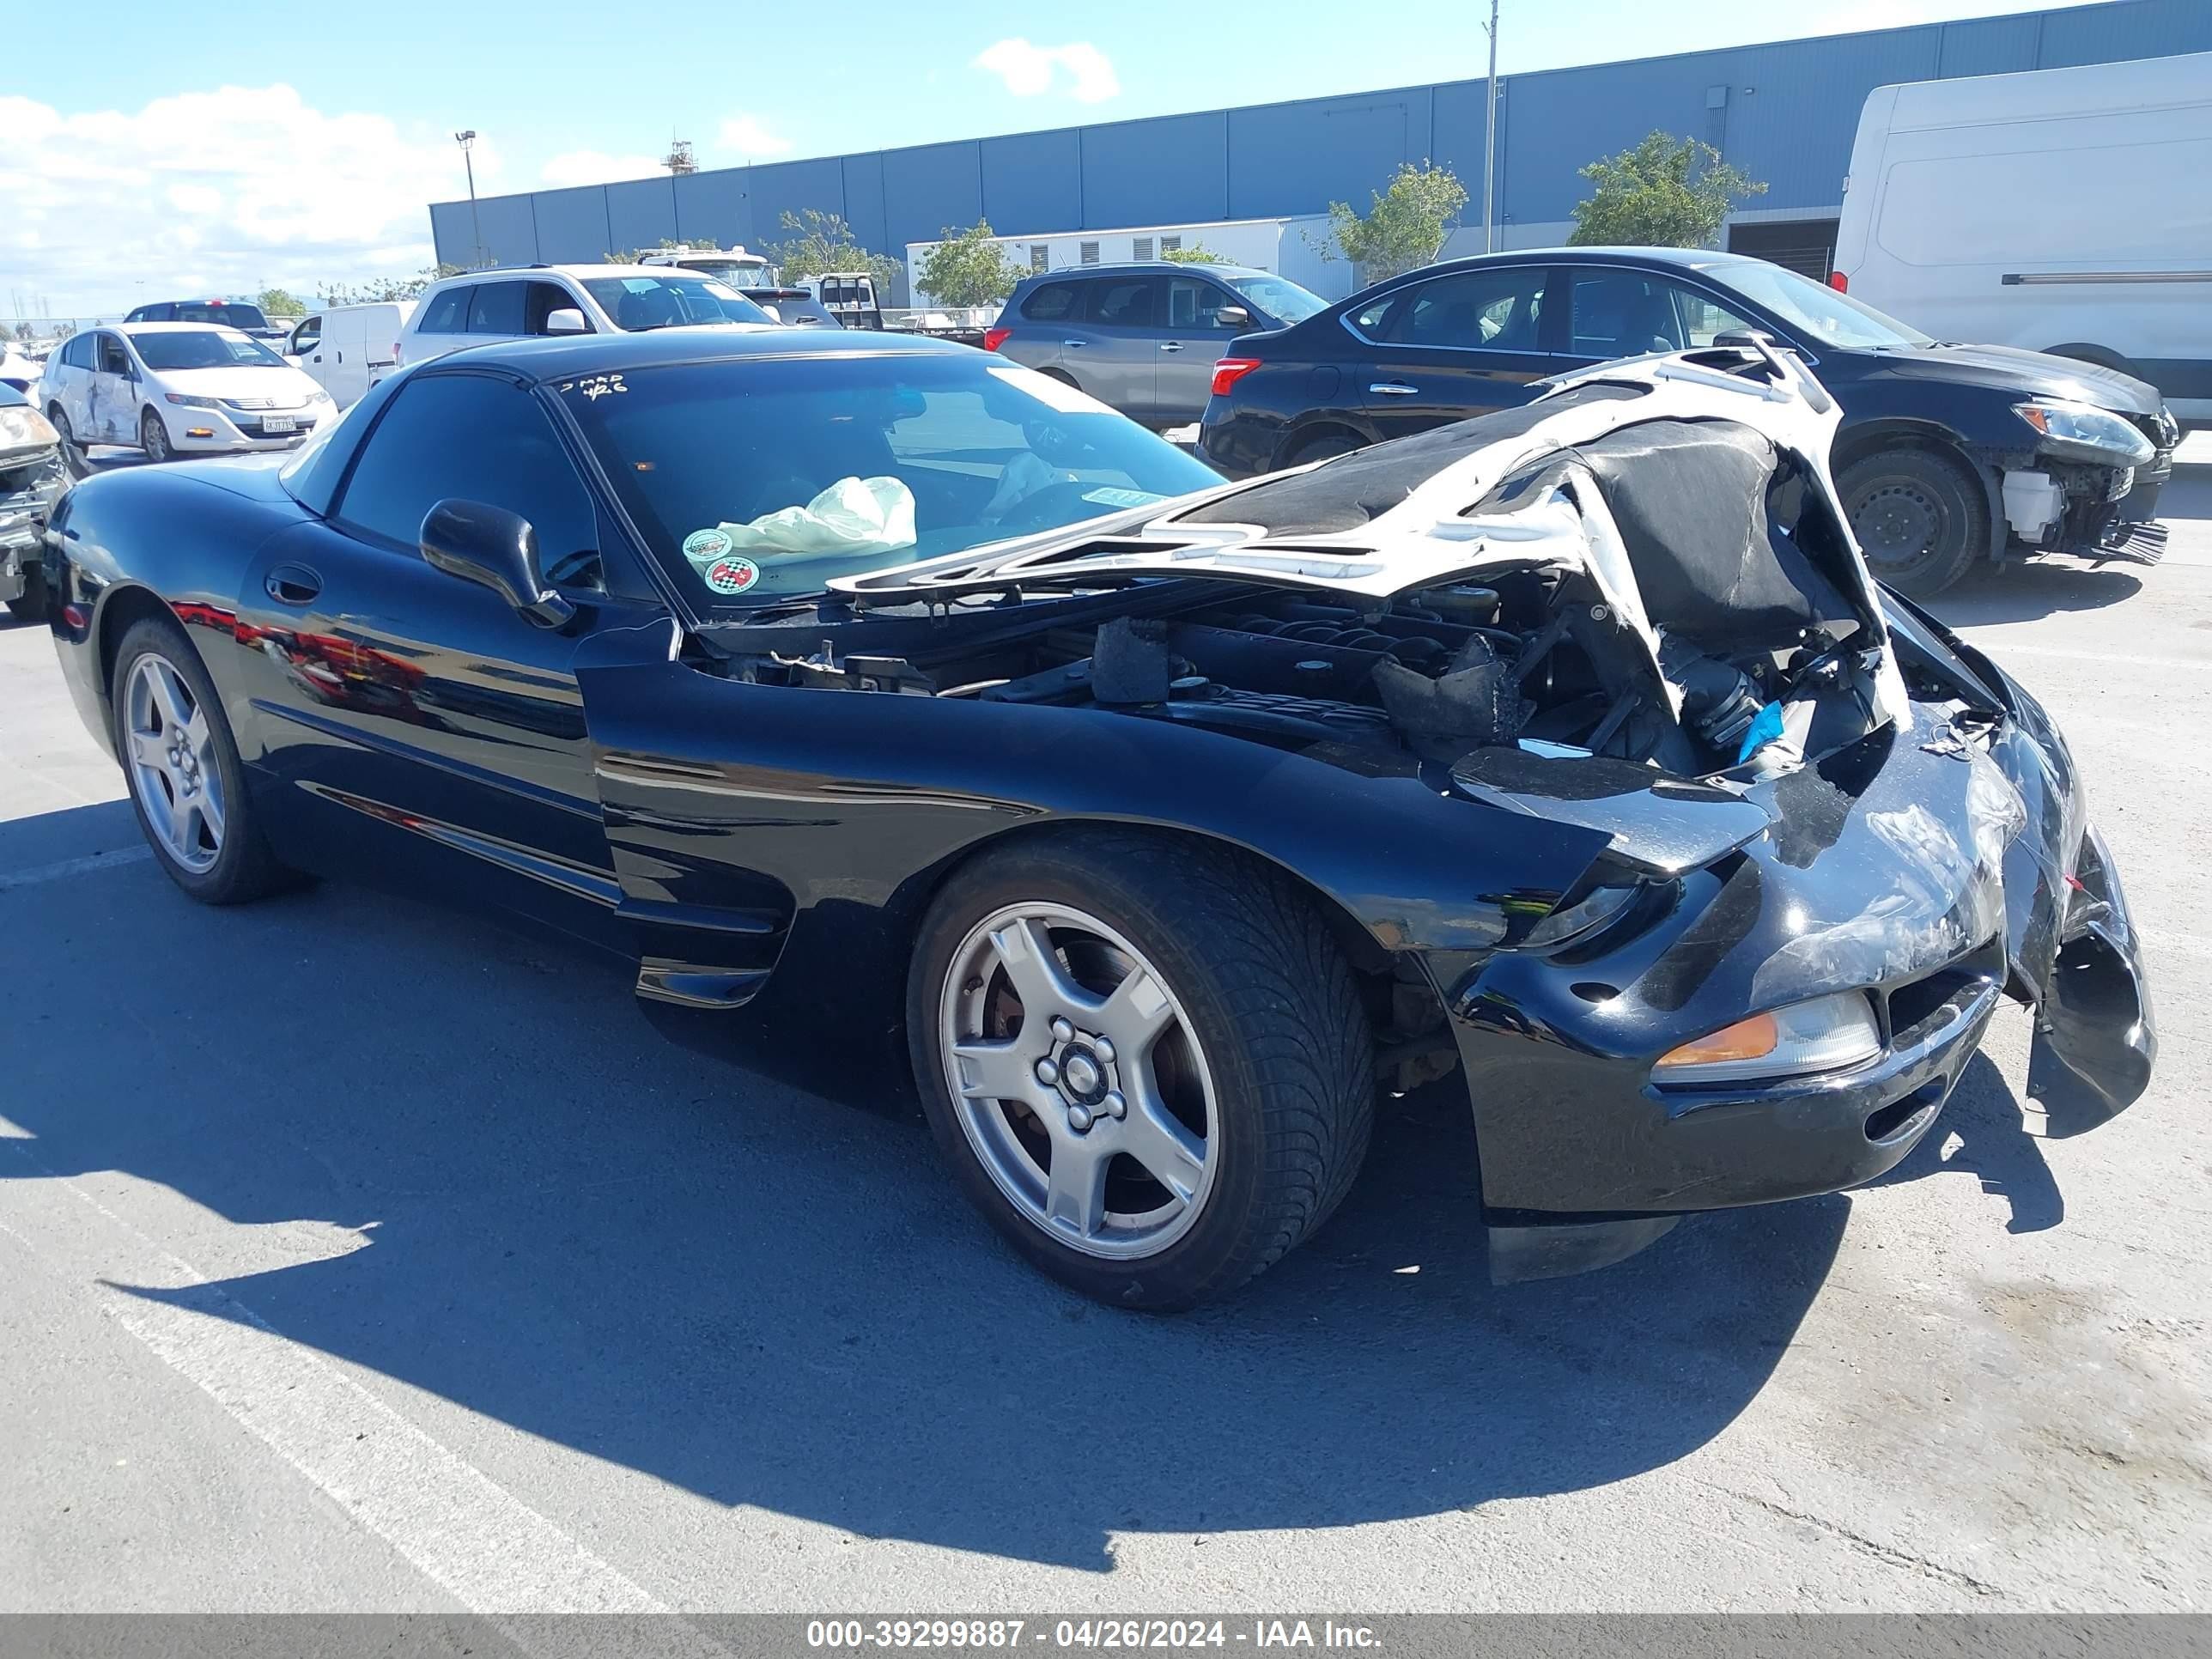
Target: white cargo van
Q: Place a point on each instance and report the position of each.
(2066, 210)
(349, 349)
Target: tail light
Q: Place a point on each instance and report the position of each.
(995, 337)
(1230, 370)
(1838, 282)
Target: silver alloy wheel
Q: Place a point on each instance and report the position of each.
(170, 754)
(1079, 1080)
(153, 436)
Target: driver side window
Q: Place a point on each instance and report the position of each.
(114, 360)
(476, 438)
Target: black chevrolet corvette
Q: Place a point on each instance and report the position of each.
(1569, 753)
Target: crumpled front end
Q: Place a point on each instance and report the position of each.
(1927, 869)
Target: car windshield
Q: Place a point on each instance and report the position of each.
(767, 478)
(1279, 298)
(204, 348)
(1828, 317)
(218, 311)
(675, 300)
(737, 273)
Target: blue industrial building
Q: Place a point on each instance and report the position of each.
(1784, 111)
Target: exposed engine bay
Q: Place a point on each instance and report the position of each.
(1670, 592)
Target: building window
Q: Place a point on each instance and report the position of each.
(1141, 247)
(1171, 245)
(1040, 256)
(1090, 253)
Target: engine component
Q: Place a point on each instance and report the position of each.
(1477, 701)
(1272, 714)
(1130, 662)
(1719, 701)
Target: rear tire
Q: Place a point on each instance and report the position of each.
(30, 605)
(1322, 448)
(73, 456)
(1921, 520)
(1257, 1045)
(187, 784)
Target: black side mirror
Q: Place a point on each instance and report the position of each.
(496, 548)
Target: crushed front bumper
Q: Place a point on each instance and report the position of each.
(28, 490)
(1933, 874)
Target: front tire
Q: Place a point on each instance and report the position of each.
(1147, 1062)
(154, 438)
(187, 783)
(1920, 520)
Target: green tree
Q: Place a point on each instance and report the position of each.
(380, 290)
(1404, 229)
(824, 241)
(968, 268)
(275, 302)
(629, 256)
(1666, 193)
(1200, 255)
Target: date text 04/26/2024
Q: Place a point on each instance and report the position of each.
(1108, 1635)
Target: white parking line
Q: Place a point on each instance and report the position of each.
(486, 1547)
(90, 864)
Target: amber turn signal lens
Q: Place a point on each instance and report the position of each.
(1748, 1039)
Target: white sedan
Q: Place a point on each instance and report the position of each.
(177, 389)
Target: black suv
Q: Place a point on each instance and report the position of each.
(1946, 453)
(245, 318)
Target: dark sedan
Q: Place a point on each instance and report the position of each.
(1947, 453)
(914, 698)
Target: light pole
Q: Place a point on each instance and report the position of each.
(1490, 142)
(467, 142)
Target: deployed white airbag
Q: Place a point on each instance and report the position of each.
(853, 515)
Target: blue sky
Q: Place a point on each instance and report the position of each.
(253, 142)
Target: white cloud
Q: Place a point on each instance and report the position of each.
(220, 191)
(593, 167)
(745, 136)
(1029, 70)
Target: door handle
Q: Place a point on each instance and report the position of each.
(293, 584)
(1075, 342)
(1394, 389)
(341, 355)
(1171, 345)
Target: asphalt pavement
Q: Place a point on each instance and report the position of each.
(358, 1257)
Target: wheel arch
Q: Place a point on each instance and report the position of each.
(121, 609)
(1855, 444)
(1376, 968)
(1306, 431)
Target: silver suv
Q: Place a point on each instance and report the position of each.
(1143, 338)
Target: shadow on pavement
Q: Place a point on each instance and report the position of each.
(1984, 1118)
(693, 1271)
(2022, 593)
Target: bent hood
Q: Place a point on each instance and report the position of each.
(2027, 374)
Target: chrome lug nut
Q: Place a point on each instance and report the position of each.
(1078, 1118)
(1114, 1106)
(1104, 1049)
(1062, 1030)
(1047, 1072)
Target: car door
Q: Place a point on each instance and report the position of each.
(1195, 339)
(1618, 311)
(111, 403)
(69, 382)
(417, 723)
(1113, 351)
(306, 339)
(1455, 345)
(441, 324)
